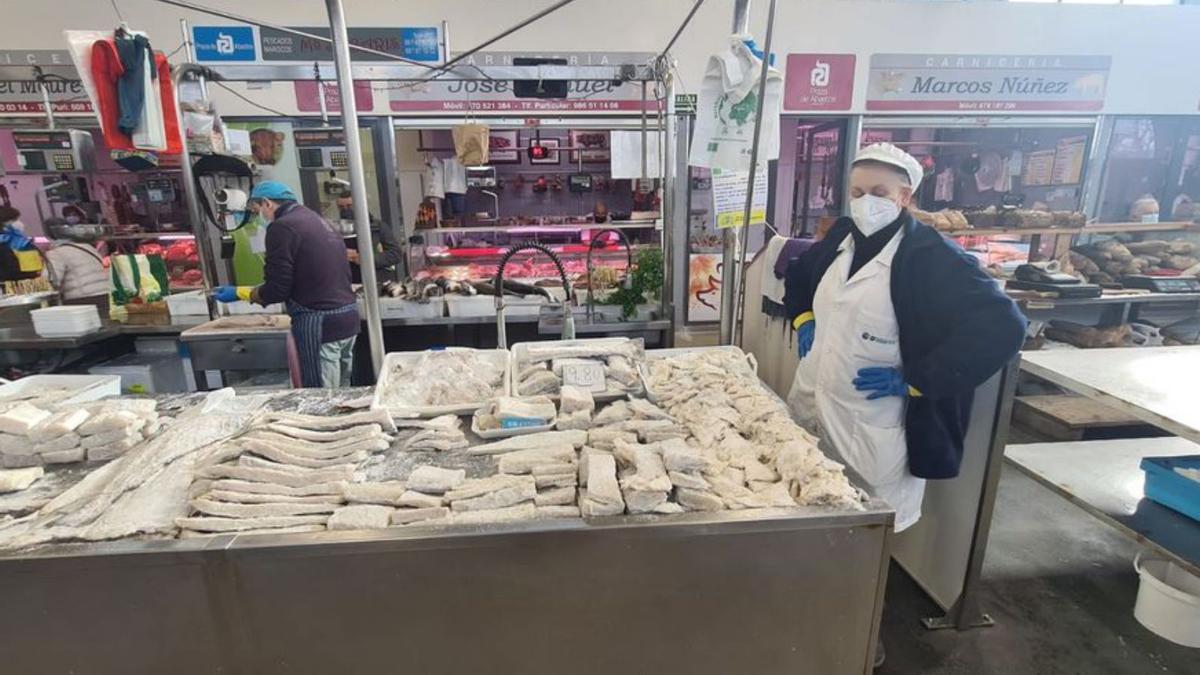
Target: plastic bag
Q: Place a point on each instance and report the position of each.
(471, 143)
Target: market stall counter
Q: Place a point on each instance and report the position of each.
(98, 581)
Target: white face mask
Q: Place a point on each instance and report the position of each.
(871, 214)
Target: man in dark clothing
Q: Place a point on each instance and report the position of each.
(387, 250)
(307, 269)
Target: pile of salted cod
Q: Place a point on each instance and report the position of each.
(141, 492)
(286, 473)
(718, 441)
(733, 444)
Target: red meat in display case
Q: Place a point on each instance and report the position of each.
(183, 263)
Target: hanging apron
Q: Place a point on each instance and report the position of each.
(307, 326)
(857, 328)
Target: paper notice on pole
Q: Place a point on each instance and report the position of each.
(729, 196)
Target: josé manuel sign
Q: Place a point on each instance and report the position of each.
(987, 82)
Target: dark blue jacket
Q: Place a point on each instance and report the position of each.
(957, 328)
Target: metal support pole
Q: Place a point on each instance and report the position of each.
(965, 613)
(741, 17)
(738, 280)
(666, 144)
(208, 265)
(358, 180)
(391, 188)
(850, 145)
(189, 54)
(321, 94)
(445, 41)
(645, 129)
(731, 237)
(679, 31)
(46, 104)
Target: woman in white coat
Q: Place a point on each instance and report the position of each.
(897, 326)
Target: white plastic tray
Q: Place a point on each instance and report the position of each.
(86, 387)
(653, 354)
(520, 353)
(503, 361)
(242, 307)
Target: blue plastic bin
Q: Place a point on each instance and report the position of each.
(1170, 489)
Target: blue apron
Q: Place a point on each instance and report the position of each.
(307, 325)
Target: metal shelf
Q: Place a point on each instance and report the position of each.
(1097, 228)
(530, 229)
(146, 235)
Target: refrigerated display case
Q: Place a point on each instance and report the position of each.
(564, 197)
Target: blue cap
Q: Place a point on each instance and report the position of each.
(271, 189)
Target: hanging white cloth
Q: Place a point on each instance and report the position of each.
(626, 149)
(433, 180)
(857, 328)
(454, 176)
(151, 132)
(943, 187)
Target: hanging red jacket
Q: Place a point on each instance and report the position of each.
(106, 70)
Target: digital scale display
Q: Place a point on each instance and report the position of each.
(1163, 284)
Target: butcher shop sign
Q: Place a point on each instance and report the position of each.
(497, 96)
(986, 82)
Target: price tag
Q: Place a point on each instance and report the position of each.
(585, 375)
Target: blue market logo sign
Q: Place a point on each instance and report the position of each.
(224, 43)
(420, 44)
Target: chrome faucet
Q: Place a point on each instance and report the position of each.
(628, 266)
(568, 329)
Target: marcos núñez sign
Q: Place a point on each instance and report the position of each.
(988, 82)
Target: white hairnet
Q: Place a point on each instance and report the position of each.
(887, 153)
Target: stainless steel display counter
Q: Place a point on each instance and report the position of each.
(770, 591)
(762, 591)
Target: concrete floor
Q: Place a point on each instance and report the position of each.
(1060, 585)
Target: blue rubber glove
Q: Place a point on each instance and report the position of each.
(226, 294)
(881, 382)
(805, 335)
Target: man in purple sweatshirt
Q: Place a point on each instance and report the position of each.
(306, 268)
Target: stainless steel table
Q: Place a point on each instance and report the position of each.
(1155, 384)
(1104, 479)
(23, 338)
(768, 591)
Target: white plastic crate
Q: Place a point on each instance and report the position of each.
(502, 359)
(188, 303)
(65, 321)
(530, 305)
(397, 308)
(471, 305)
(653, 354)
(520, 359)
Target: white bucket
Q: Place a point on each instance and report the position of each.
(1168, 601)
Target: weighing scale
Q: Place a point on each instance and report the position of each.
(54, 151)
(1162, 284)
(1046, 278)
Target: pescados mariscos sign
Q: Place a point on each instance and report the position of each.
(992, 82)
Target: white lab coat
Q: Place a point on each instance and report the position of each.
(857, 328)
